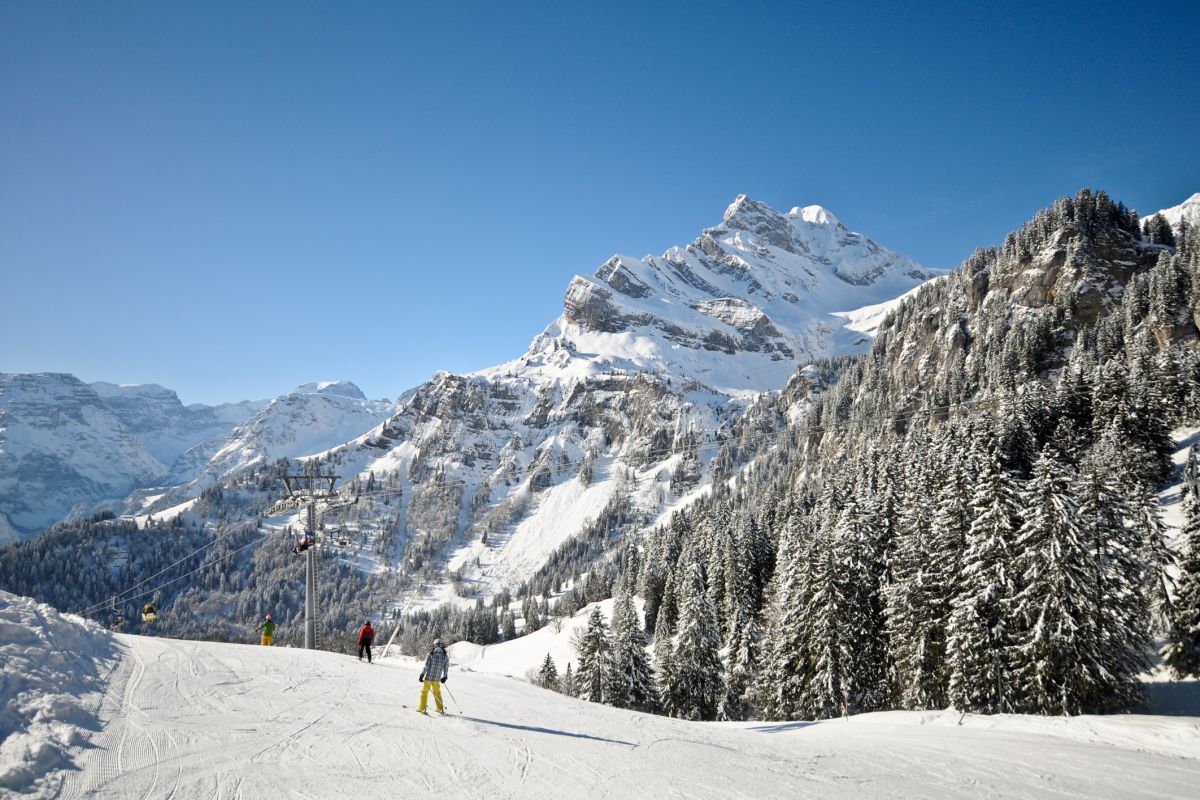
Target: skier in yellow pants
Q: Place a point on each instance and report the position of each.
(433, 676)
(268, 629)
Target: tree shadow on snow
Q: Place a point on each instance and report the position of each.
(548, 730)
(783, 726)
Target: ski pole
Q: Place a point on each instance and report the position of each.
(447, 688)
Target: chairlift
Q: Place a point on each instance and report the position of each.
(149, 613)
(302, 545)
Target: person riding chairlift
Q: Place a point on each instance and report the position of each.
(302, 545)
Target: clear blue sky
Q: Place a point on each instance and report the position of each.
(231, 199)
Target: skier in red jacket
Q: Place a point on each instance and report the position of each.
(365, 637)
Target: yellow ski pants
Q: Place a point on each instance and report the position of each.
(437, 695)
(266, 640)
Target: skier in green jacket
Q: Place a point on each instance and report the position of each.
(268, 630)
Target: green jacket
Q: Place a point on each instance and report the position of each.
(268, 627)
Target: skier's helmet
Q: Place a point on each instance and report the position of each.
(437, 642)
(268, 616)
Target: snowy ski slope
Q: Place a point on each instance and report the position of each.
(181, 720)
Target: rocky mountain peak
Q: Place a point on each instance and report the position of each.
(758, 218)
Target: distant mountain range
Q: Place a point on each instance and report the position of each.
(66, 445)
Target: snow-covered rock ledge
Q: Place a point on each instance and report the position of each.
(53, 670)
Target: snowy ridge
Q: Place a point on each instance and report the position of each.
(67, 446)
(1188, 210)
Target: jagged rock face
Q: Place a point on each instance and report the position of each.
(762, 285)
(1091, 273)
(1058, 276)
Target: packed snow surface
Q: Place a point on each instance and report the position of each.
(198, 720)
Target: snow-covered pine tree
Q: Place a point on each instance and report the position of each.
(848, 652)
(1182, 652)
(739, 594)
(595, 659)
(1056, 657)
(1155, 554)
(696, 660)
(742, 668)
(786, 661)
(567, 684)
(917, 607)
(669, 690)
(533, 617)
(1119, 591)
(548, 674)
(978, 633)
(632, 682)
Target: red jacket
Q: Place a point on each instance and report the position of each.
(366, 635)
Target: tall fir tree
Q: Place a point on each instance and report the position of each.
(1182, 652)
(979, 632)
(1056, 656)
(786, 664)
(1119, 596)
(548, 674)
(697, 663)
(917, 607)
(742, 668)
(594, 649)
(632, 684)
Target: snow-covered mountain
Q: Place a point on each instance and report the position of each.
(1188, 210)
(620, 405)
(737, 309)
(622, 399)
(166, 427)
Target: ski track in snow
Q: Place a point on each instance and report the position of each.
(186, 720)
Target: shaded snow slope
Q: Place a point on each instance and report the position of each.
(201, 720)
(310, 419)
(61, 444)
(54, 670)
